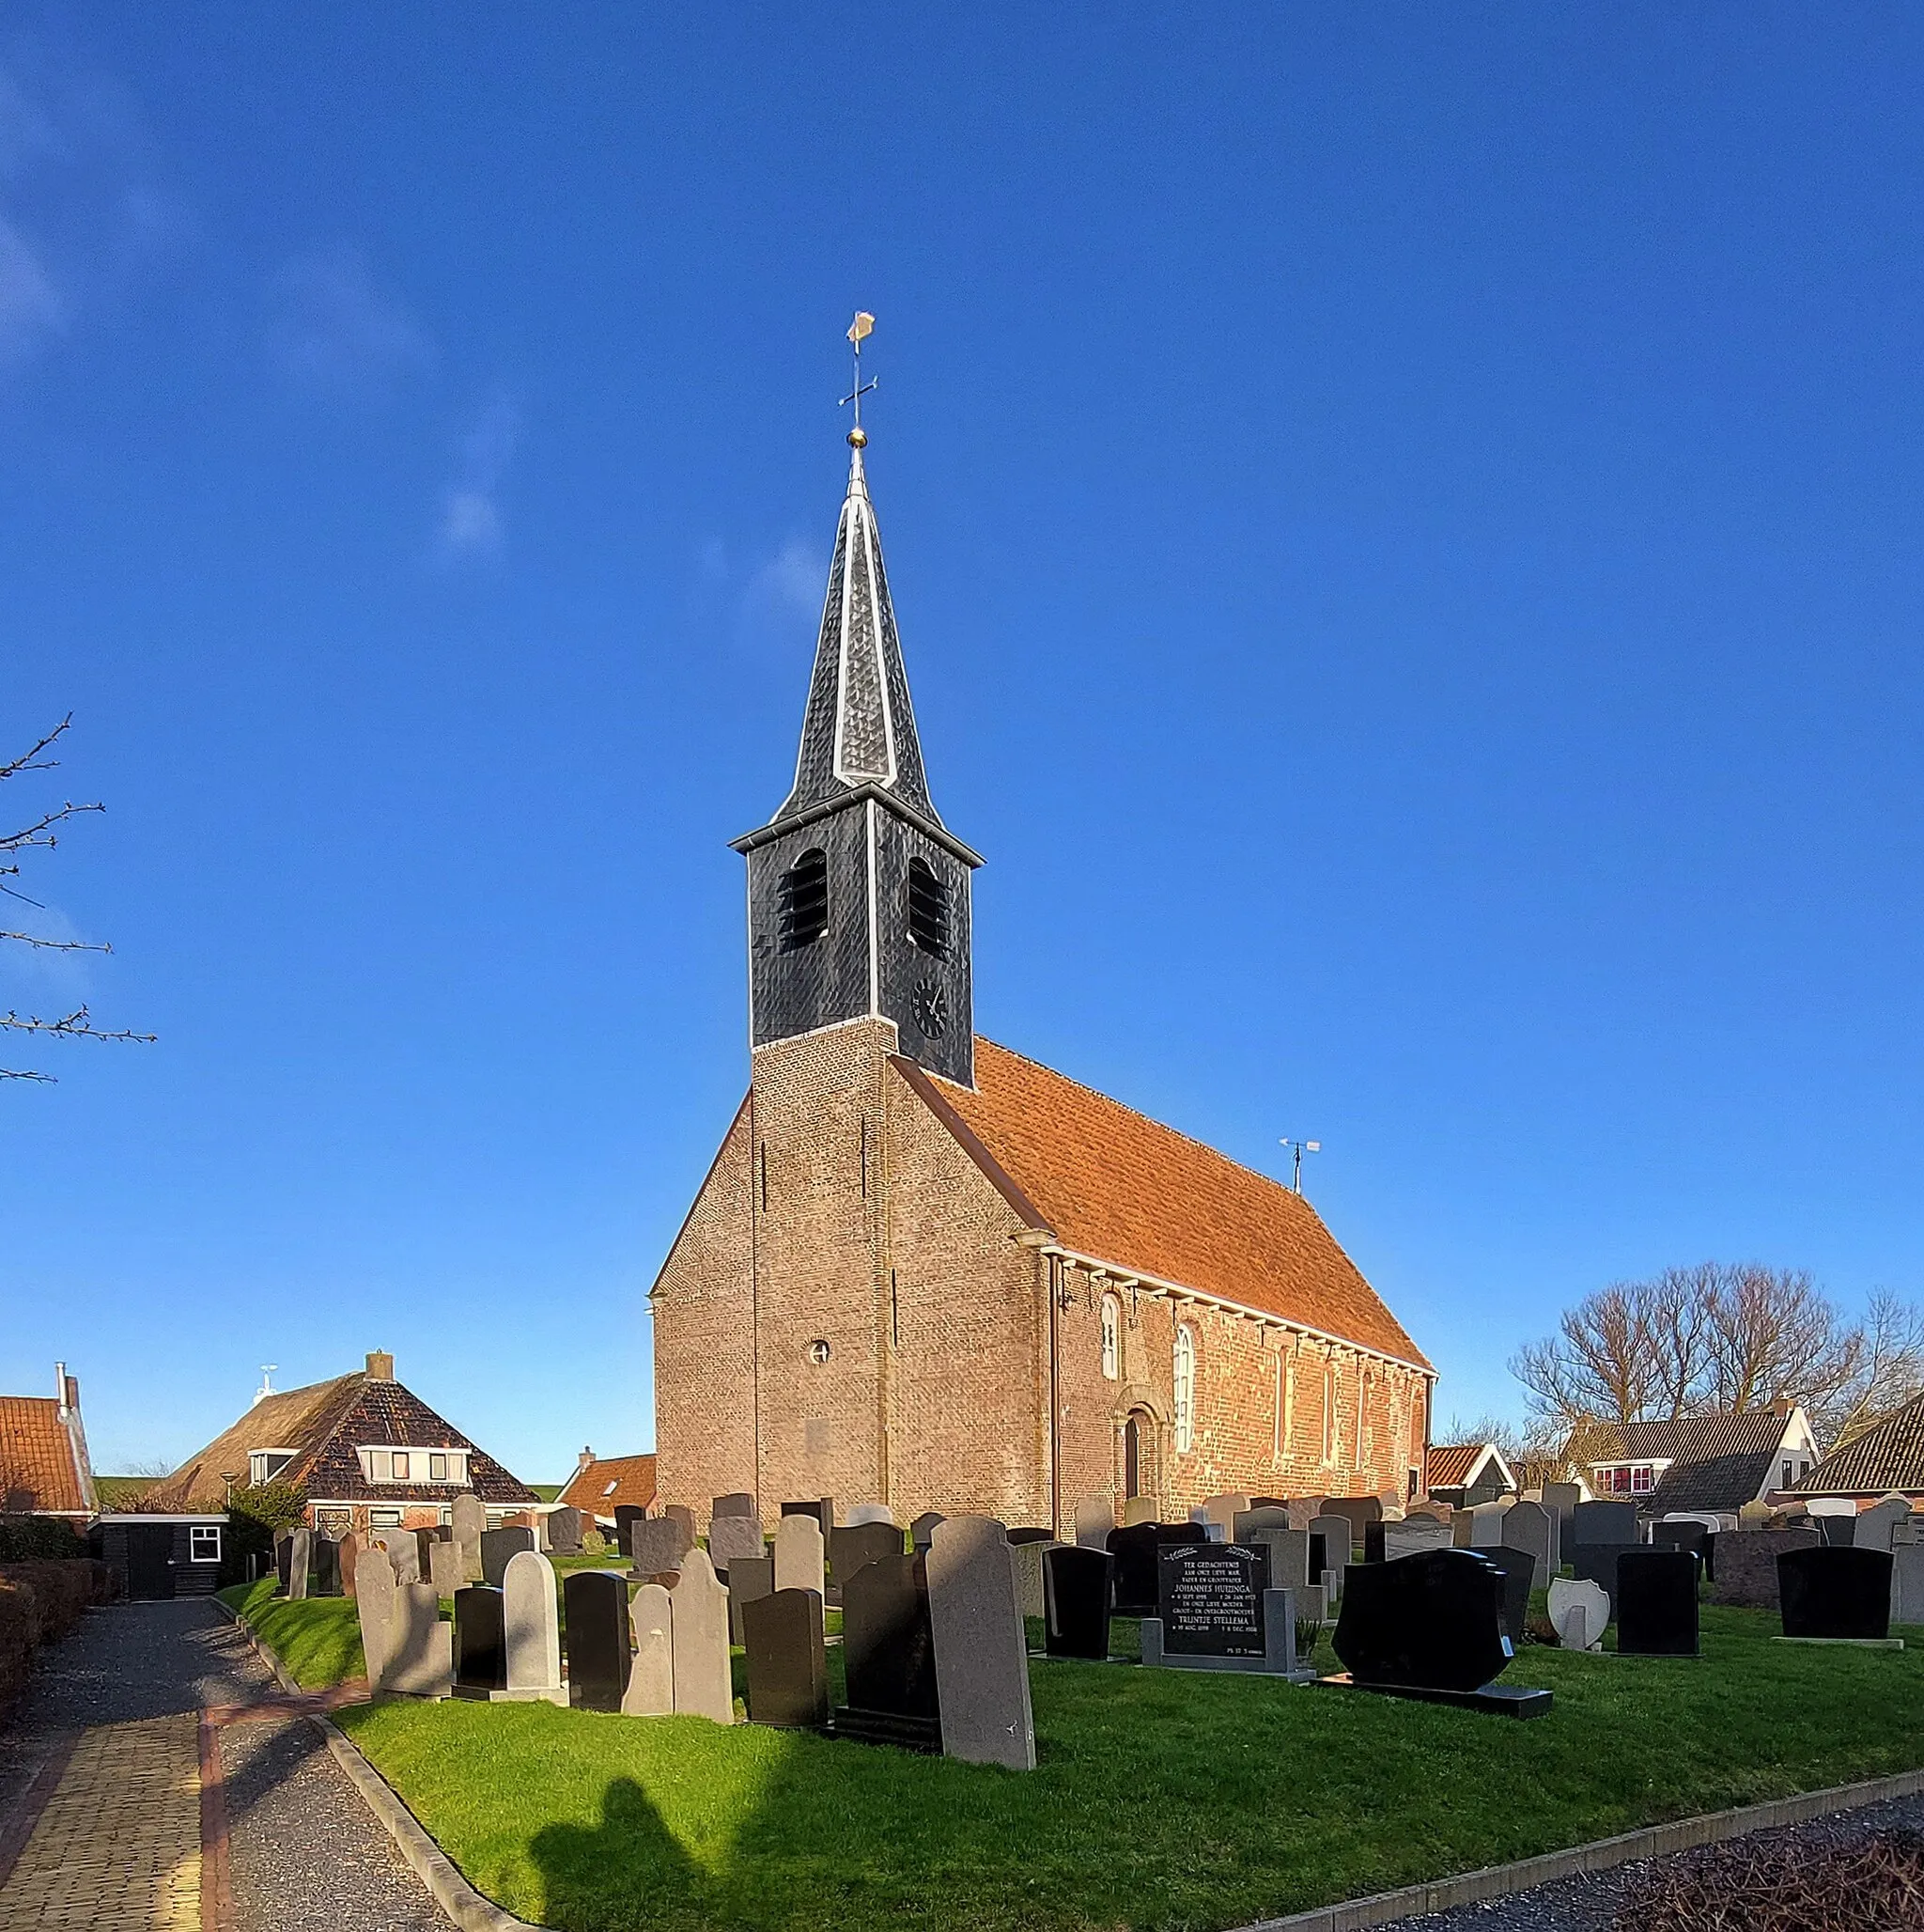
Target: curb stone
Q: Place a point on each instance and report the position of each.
(452, 1893)
(1602, 1855)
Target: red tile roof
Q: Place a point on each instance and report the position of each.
(1111, 1184)
(1450, 1464)
(610, 1480)
(38, 1458)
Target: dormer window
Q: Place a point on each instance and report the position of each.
(264, 1465)
(801, 901)
(398, 1464)
(928, 910)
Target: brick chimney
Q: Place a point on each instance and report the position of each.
(380, 1365)
(585, 1460)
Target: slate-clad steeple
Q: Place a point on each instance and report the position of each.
(858, 892)
(859, 729)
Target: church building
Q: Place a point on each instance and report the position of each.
(925, 1271)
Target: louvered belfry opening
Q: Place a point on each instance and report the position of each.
(928, 910)
(802, 904)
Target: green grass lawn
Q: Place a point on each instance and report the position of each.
(1171, 1800)
(318, 1640)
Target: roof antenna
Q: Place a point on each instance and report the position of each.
(267, 1380)
(1301, 1147)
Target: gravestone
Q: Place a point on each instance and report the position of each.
(872, 1513)
(1414, 1534)
(981, 1655)
(1603, 1522)
(445, 1568)
(1561, 1498)
(698, 1619)
(499, 1547)
(850, 1549)
(798, 1555)
(1486, 1524)
(1372, 1542)
(627, 1515)
(351, 1547)
(1596, 1563)
(1836, 1593)
(750, 1578)
(922, 1531)
(1675, 1534)
(680, 1513)
(1519, 1570)
(1877, 1526)
(1359, 1509)
(1096, 1517)
(373, 1605)
(1840, 1532)
(1024, 1567)
(404, 1555)
(650, 1692)
(1076, 1587)
(1268, 1516)
(1462, 1522)
(1223, 1510)
(480, 1655)
(823, 1510)
(1134, 1547)
(887, 1648)
(1209, 1600)
(656, 1544)
(327, 1566)
(1137, 1511)
(737, 1502)
(468, 1518)
(423, 1541)
(1579, 1613)
(300, 1563)
(787, 1668)
(1339, 1539)
(1746, 1565)
(730, 1536)
(1289, 1552)
(1907, 1583)
(565, 1531)
(1030, 1535)
(1431, 1626)
(599, 1661)
(530, 1630)
(1529, 1527)
(421, 1659)
(1656, 1603)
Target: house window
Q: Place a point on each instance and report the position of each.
(928, 910)
(801, 901)
(264, 1465)
(377, 1466)
(400, 1465)
(1642, 1478)
(204, 1543)
(612, 1487)
(1186, 1388)
(384, 1518)
(437, 1468)
(1111, 1336)
(1789, 1477)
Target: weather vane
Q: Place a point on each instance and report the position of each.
(858, 330)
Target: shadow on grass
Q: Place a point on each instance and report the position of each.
(657, 1880)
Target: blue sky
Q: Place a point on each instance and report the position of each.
(1404, 523)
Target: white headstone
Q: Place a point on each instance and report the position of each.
(531, 1625)
(1096, 1517)
(1877, 1525)
(869, 1513)
(698, 1623)
(651, 1682)
(1486, 1525)
(1579, 1611)
(801, 1556)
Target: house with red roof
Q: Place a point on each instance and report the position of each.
(603, 1484)
(44, 1469)
(926, 1270)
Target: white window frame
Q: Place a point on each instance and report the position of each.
(377, 1463)
(439, 1456)
(197, 1535)
(1183, 1385)
(384, 1518)
(1111, 1320)
(1643, 1479)
(258, 1474)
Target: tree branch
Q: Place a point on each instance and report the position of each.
(31, 761)
(56, 945)
(77, 1025)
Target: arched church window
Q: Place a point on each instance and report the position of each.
(1111, 1336)
(1184, 1404)
(801, 901)
(928, 910)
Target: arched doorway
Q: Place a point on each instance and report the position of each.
(1140, 1434)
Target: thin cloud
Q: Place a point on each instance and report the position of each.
(335, 326)
(471, 518)
(32, 308)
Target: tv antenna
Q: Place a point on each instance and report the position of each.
(1300, 1148)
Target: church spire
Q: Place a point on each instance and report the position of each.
(859, 729)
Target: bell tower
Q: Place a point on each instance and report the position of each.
(858, 894)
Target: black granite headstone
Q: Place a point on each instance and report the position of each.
(497, 1548)
(283, 1555)
(1372, 1542)
(861, 1543)
(1134, 1548)
(888, 1649)
(1596, 1563)
(1032, 1535)
(1518, 1568)
(822, 1509)
(922, 1532)
(599, 1654)
(1691, 1536)
(480, 1640)
(1835, 1591)
(626, 1516)
(1077, 1586)
(787, 1668)
(1319, 1555)
(1839, 1532)
(1603, 1522)
(1430, 1621)
(1209, 1596)
(327, 1567)
(1656, 1603)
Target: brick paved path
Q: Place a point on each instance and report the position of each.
(155, 1778)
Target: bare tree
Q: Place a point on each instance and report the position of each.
(43, 834)
(1601, 1362)
(1889, 1369)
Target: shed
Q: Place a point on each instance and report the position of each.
(161, 1554)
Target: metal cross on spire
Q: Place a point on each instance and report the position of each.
(858, 330)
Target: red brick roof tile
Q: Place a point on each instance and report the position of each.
(609, 1481)
(37, 1457)
(1122, 1188)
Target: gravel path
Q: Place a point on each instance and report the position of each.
(1591, 1903)
(304, 1851)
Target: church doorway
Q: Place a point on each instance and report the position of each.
(1139, 1454)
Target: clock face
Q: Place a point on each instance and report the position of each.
(931, 1010)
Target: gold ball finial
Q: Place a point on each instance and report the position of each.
(857, 438)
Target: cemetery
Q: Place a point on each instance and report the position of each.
(762, 1728)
